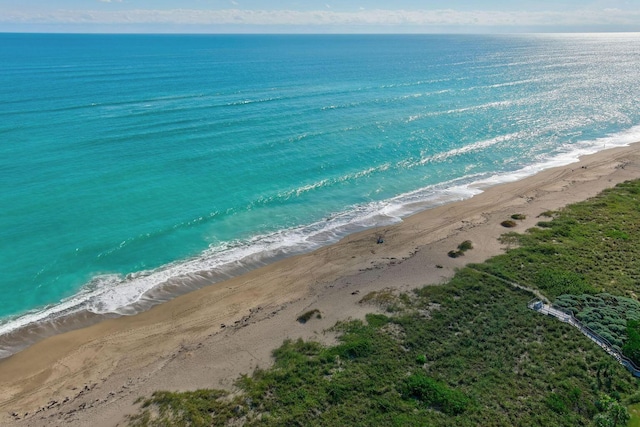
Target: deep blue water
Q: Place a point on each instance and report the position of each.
(133, 162)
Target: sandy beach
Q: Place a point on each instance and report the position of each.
(209, 337)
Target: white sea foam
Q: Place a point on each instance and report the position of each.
(486, 106)
(477, 146)
(124, 295)
(566, 154)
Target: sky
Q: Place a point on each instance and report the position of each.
(319, 16)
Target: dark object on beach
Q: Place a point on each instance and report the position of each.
(508, 223)
(462, 248)
(305, 317)
(380, 239)
(465, 246)
(455, 254)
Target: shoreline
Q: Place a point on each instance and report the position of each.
(208, 337)
(185, 276)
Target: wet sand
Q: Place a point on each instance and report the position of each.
(209, 337)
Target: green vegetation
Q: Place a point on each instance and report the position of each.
(631, 347)
(387, 300)
(306, 316)
(612, 413)
(455, 254)
(465, 246)
(579, 244)
(462, 248)
(519, 217)
(192, 408)
(435, 395)
(508, 223)
(634, 413)
(605, 314)
(467, 353)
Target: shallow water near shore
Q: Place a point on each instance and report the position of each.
(137, 168)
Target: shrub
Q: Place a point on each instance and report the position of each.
(192, 408)
(465, 246)
(617, 234)
(508, 223)
(355, 347)
(558, 282)
(518, 216)
(305, 317)
(377, 320)
(435, 394)
(384, 298)
(462, 248)
(556, 403)
(631, 347)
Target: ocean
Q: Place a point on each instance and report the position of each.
(134, 168)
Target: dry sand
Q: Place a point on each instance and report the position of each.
(209, 337)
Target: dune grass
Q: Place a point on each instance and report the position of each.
(466, 353)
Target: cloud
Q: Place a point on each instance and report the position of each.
(379, 17)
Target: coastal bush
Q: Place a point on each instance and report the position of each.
(306, 316)
(508, 223)
(617, 234)
(511, 239)
(558, 282)
(435, 394)
(556, 403)
(465, 246)
(612, 414)
(462, 248)
(519, 217)
(377, 320)
(386, 299)
(354, 348)
(631, 347)
(455, 254)
(200, 408)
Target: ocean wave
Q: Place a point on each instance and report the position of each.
(485, 106)
(328, 182)
(476, 146)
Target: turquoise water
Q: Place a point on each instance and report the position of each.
(137, 167)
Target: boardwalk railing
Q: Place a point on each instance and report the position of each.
(568, 317)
